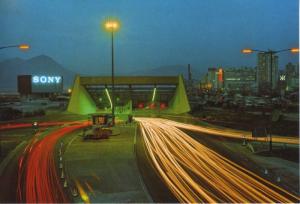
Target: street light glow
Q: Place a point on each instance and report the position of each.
(112, 25)
(154, 93)
(295, 50)
(24, 47)
(247, 51)
(108, 96)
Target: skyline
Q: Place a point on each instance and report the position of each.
(152, 34)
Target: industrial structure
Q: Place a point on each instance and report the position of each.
(93, 94)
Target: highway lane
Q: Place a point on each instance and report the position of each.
(41, 124)
(38, 180)
(230, 133)
(195, 173)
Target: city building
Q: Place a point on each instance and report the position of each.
(213, 80)
(292, 76)
(93, 94)
(240, 79)
(267, 77)
(229, 79)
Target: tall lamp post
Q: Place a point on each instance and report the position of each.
(22, 47)
(112, 26)
(271, 53)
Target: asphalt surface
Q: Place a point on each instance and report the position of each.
(196, 173)
(38, 179)
(105, 170)
(9, 180)
(33, 176)
(158, 190)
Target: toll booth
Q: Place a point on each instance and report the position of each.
(104, 120)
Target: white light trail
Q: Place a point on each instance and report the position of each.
(195, 173)
(230, 133)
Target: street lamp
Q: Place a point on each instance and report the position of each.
(22, 47)
(271, 53)
(112, 26)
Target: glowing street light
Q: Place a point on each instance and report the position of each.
(154, 94)
(294, 50)
(108, 96)
(247, 51)
(22, 47)
(112, 26)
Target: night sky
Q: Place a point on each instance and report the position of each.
(204, 33)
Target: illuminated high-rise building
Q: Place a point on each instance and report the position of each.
(239, 79)
(267, 77)
(292, 76)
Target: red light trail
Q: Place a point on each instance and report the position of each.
(38, 180)
(41, 124)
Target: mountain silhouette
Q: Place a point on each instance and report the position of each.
(169, 70)
(39, 65)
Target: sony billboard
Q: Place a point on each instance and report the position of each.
(46, 84)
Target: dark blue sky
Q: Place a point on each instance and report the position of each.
(203, 33)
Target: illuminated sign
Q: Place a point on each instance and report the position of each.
(220, 75)
(46, 79)
(282, 77)
(46, 83)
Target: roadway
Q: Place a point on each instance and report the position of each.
(231, 133)
(38, 179)
(196, 173)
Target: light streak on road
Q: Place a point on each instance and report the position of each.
(38, 180)
(41, 124)
(84, 196)
(230, 133)
(195, 173)
(90, 188)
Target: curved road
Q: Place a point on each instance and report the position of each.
(38, 180)
(195, 173)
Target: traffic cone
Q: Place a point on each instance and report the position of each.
(65, 183)
(62, 175)
(244, 142)
(74, 192)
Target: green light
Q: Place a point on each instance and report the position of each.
(154, 93)
(108, 96)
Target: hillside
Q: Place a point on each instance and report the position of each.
(39, 65)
